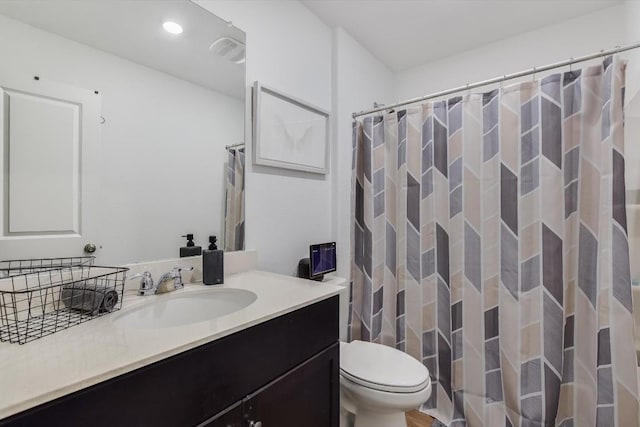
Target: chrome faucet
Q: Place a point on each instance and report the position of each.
(175, 275)
(146, 283)
(147, 287)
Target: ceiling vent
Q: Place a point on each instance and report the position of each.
(229, 48)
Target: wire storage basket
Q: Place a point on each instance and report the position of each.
(45, 300)
(16, 267)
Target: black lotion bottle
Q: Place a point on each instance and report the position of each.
(191, 249)
(213, 264)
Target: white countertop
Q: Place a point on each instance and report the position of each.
(95, 351)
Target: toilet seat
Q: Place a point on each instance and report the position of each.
(382, 368)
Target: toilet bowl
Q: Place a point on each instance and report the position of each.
(378, 384)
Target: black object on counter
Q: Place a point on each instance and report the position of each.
(213, 267)
(304, 269)
(322, 260)
(191, 249)
(212, 243)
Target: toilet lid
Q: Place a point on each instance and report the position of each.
(382, 368)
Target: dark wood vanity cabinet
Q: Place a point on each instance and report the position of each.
(280, 373)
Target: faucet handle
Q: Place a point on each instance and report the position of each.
(146, 283)
(177, 277)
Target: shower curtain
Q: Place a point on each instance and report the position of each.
(234, 206)
(489, 242)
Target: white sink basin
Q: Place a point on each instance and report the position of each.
(184, 308)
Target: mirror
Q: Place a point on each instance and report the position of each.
(122, 127)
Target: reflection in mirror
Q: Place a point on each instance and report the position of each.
(234, 206)
(121, 125)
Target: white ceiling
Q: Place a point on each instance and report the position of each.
(406, 33)
(132, 29)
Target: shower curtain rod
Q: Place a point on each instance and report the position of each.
(506, 77)
(240, 144)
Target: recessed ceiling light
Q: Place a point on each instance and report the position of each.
(172, 27)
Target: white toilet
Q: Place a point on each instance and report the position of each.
(378, 384)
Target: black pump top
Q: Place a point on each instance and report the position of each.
(212, 243)
(189, 240)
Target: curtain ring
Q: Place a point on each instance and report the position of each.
(468, 90)
(534, 74)
(571, 64)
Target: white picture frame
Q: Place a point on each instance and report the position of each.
(289, 133)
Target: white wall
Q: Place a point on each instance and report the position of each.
(580, 36)
(162, 143)
(632, 29)
(632, 137)
(632, 98)
(360, 79)
(289, 49)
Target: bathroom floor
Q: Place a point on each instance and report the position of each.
(418, 419)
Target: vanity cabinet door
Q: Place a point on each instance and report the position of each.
(308, 395)
(231, 417)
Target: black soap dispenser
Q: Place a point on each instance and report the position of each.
(213, 264)
(191, 249)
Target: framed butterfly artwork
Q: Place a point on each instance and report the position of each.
(288, 132)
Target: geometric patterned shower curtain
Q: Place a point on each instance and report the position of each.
(234, 206)
(489, 242)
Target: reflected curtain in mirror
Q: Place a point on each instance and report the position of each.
(234, 206)
(490, 243)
